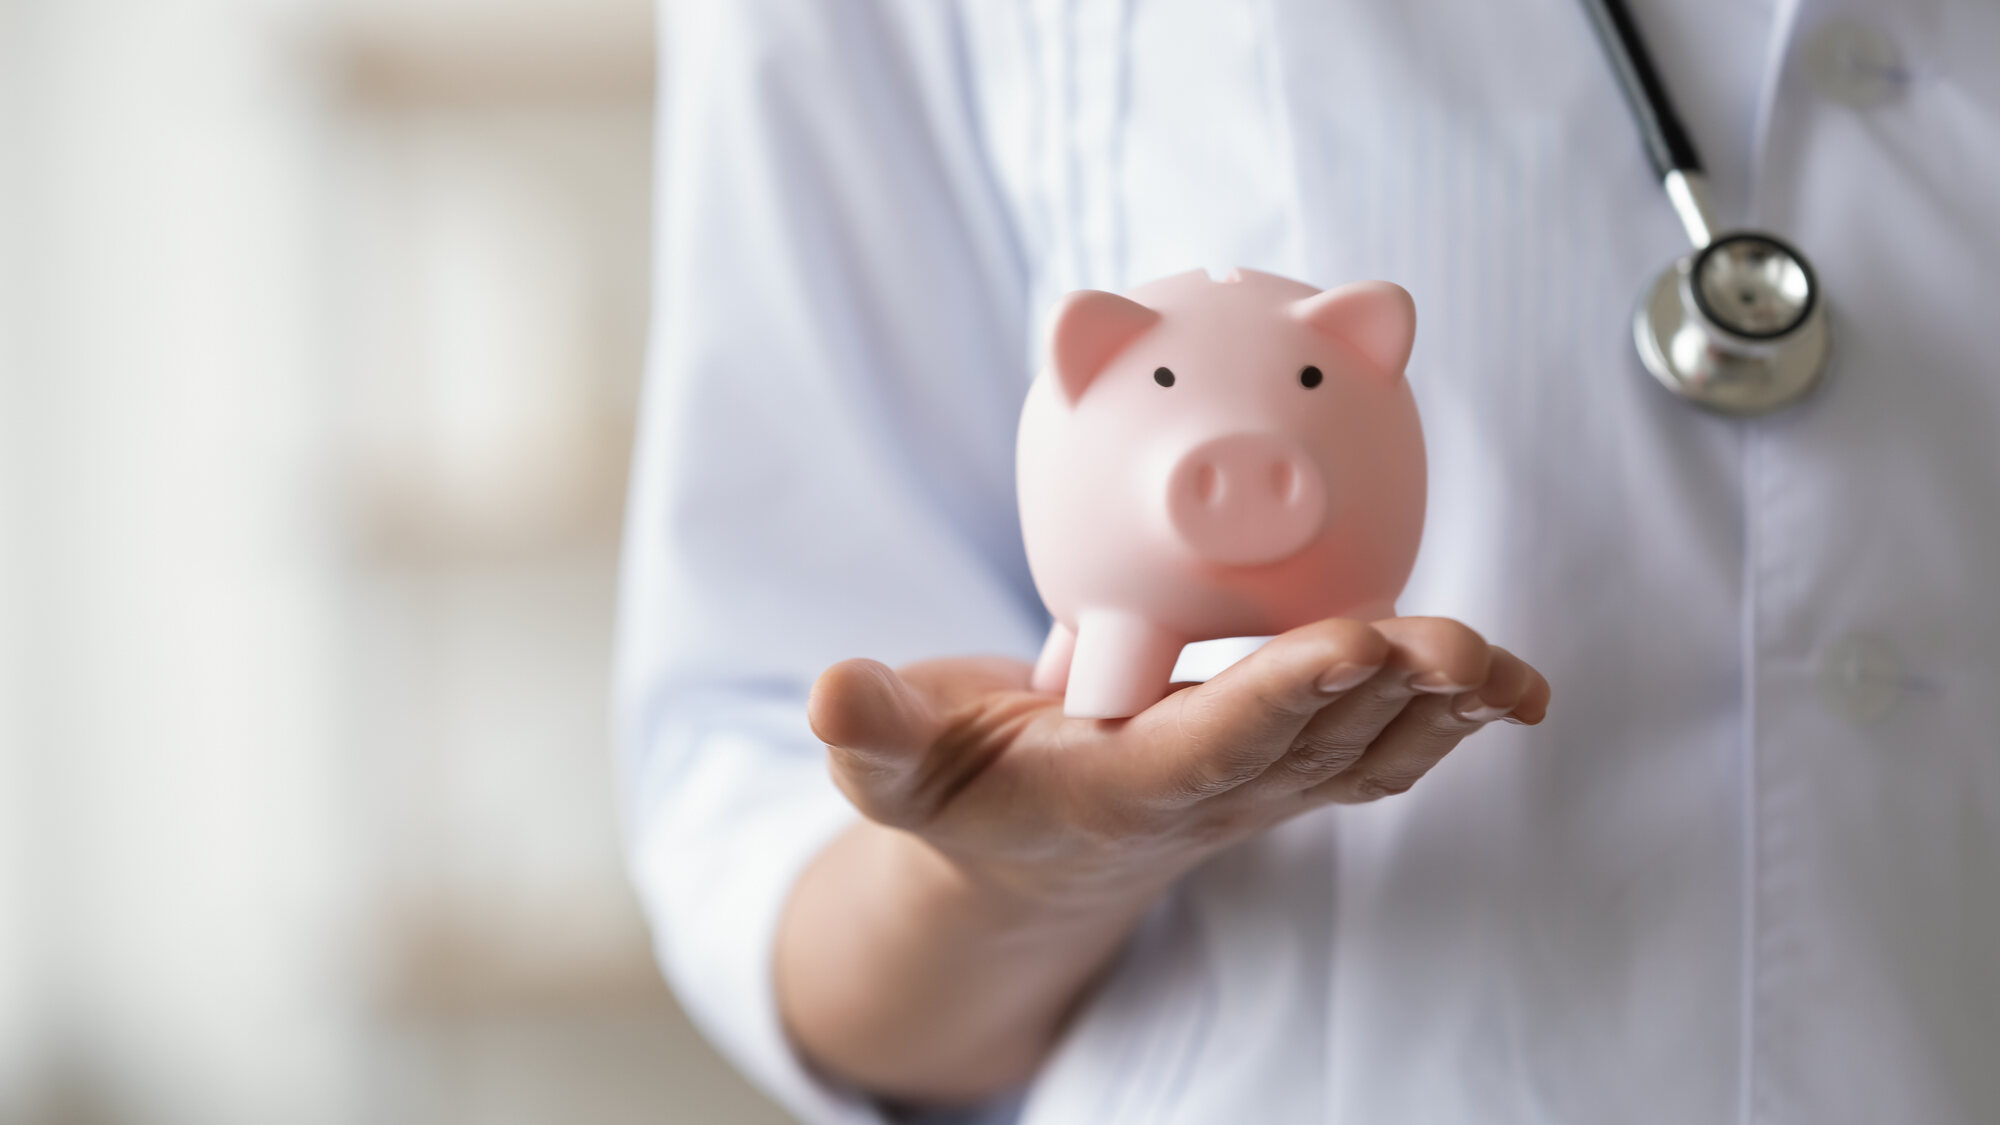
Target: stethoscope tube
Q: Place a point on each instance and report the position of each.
(1739, 326)
(1667, 142)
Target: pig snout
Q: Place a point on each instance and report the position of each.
(1246, 499)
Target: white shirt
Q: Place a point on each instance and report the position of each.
(1749, 871)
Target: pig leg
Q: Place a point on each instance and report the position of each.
(1121, 665)
(1052, 669)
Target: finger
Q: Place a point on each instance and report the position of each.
(1428, 728)
(1213, 737)
(1507, 681)
(1440, 654)
(876, 727)
(1426, 655)
(1534, 704)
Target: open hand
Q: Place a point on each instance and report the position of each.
(960, 753)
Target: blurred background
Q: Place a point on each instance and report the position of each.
(321, 324)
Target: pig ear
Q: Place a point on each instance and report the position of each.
(1090, 328)
(1376, 318)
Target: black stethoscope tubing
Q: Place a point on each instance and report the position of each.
(1668, 145)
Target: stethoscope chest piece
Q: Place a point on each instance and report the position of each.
(1738, 327)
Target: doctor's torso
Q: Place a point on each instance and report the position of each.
(1750, 869)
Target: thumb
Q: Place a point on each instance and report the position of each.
(876, 728)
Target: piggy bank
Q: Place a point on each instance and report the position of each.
(1214, 457)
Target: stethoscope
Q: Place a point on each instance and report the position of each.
(1738, 326)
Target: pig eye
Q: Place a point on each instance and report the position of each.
(1163, 377)
(1310, 377)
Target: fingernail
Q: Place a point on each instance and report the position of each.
(1347, 676)
(1473, 709)
(1435, 681)
(1515, 719)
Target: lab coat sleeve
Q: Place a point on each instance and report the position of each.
(824, 464)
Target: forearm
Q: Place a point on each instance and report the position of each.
(898, 971)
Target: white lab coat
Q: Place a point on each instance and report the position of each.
(1749, 871)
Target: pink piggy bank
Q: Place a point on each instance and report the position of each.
(1215, 458)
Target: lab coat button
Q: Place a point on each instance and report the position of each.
(1860, 678)
(1852, 63)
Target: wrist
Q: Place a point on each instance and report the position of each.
(931, 977)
